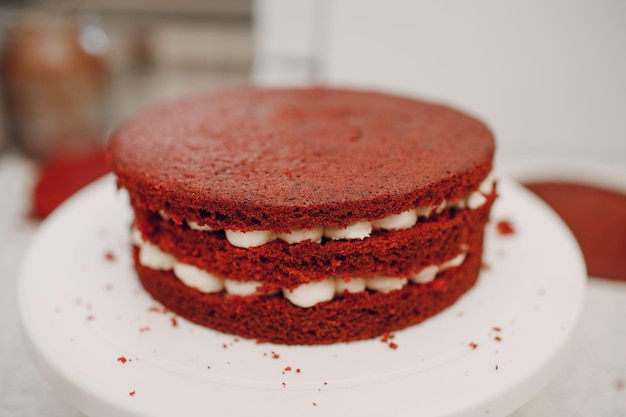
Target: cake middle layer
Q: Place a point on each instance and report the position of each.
(279, 265)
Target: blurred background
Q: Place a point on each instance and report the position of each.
(549, 77)
(71, 71)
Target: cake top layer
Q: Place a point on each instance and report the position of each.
(284, 158)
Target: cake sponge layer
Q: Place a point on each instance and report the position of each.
(285, 159)
(271, 318)
(281, 265)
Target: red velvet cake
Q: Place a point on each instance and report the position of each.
(305, 216)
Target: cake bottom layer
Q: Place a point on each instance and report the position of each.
(350, 317)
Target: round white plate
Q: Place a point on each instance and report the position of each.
(111, 350)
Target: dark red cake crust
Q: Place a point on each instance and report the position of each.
(254, 159)
(280, 265)
(347, 318)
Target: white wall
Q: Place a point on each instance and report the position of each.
(287, 40)
(549, 76)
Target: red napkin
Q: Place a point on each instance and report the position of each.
(62, 176)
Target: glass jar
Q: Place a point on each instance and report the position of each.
(55, 86)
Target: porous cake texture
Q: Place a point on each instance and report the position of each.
(305, 216)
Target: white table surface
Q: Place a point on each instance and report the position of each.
(592, 381)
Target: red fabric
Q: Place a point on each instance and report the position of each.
(62, 176)
(597, 218)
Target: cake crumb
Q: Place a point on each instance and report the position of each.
(284, 384)
(90, 317)
(174, 322)
(496, 329)
(386, 337)
(314, 404)
(157, 309)
(620, 384)
(497, 339)
(109, 256)
(144, 329)
(497, 367)
(275, 355)
(505, 228)
(132, 393)
(122, 359)
(473, 345)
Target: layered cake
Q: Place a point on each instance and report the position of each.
(305, 216)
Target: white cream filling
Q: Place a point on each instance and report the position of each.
(359, 230)
(423, 211)
(202, 227)
(385, 284)
(314, 234)
(305, 295)
(404, 220)
(353, 285)
(136, 237)
(242, 288)
(454, 262)
(249, 239)
(193, 276)
(426, 275)
(439, 208)
(153, 257)
(486, 187)
(164, 215)
(309, 294)
(475, 200)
